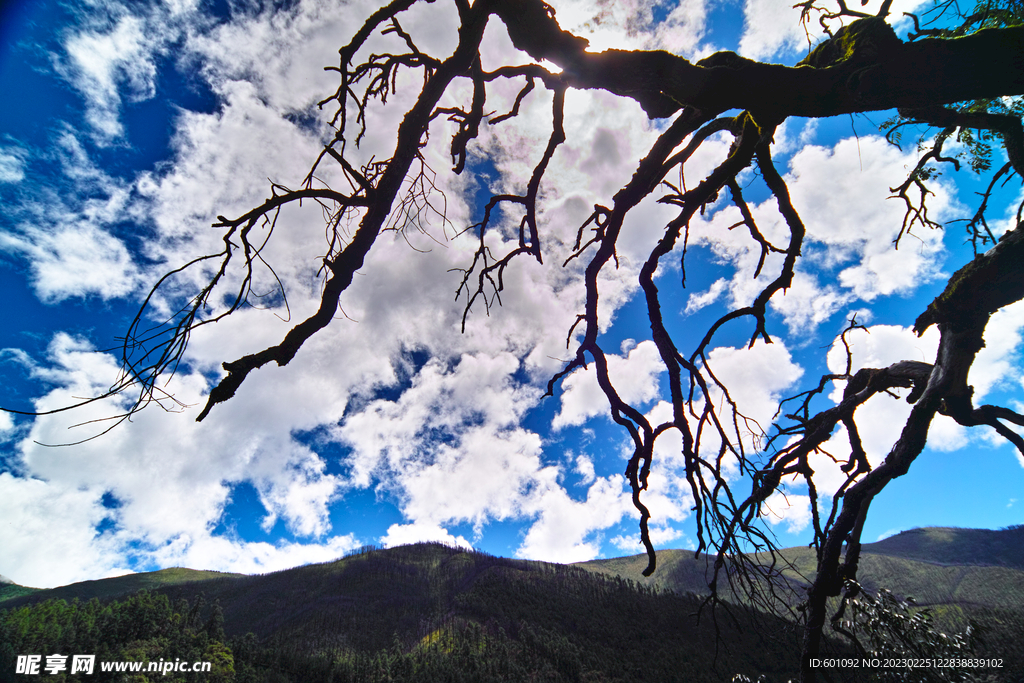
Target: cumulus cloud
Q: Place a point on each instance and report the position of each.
(756, 377)
(67, 236)
(700, 300)
(848, 248)
(170, 478)
(772, 28)
(881, 419)
(631, 24)
(113, 54)
(791, 510)
(49, 534)
(563, 531)
(74, 260)
(427, 417)
(247, 557)
(635, 378)
(102, 62)
(404, 534)
(660, 537)
(998, 364)
(585, 468)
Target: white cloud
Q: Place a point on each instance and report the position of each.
(585, 468)
(12, 164)
(102, 62)
(403, 534)
(74, 260)
(634, 377)
(629, 24)
(660, 537)
(772, 28)
(563, 532)
(171, 478)
(862, 219)
(490, 476)
(47, 521)
(49, 534)
(880, 346)
(848, 252)
(484, 467)
(66, 235)
(756, 378)
(794, 511)
(998, 364)
(700, 300)
(881, 419)
(246, 557)
(113, 55)
(6, 423)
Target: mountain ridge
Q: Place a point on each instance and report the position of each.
(547, 621)
(596, 621)
(939, 546)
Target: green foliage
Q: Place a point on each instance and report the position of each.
(140, 628)
(10, 591)
(883, 626)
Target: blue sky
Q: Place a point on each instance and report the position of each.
(137, 123)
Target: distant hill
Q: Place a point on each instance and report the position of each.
(961, 576)
(952, 546)
(936, 566)
(108, 588)
(10, 589)
(677, 570)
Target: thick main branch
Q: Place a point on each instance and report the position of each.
(876, 71)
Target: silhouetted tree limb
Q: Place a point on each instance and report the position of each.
(872, 71)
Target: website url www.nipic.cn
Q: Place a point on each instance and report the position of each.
(86, 664)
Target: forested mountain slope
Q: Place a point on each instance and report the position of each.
(936, 566)
(962, 577)
(430, 612)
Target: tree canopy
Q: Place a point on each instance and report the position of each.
(954, 79)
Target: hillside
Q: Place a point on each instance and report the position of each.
(960, 576)
(432, 609)
(9, 589)
(421, 612)
(935, 566)
(944, 545)
(110, 588)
